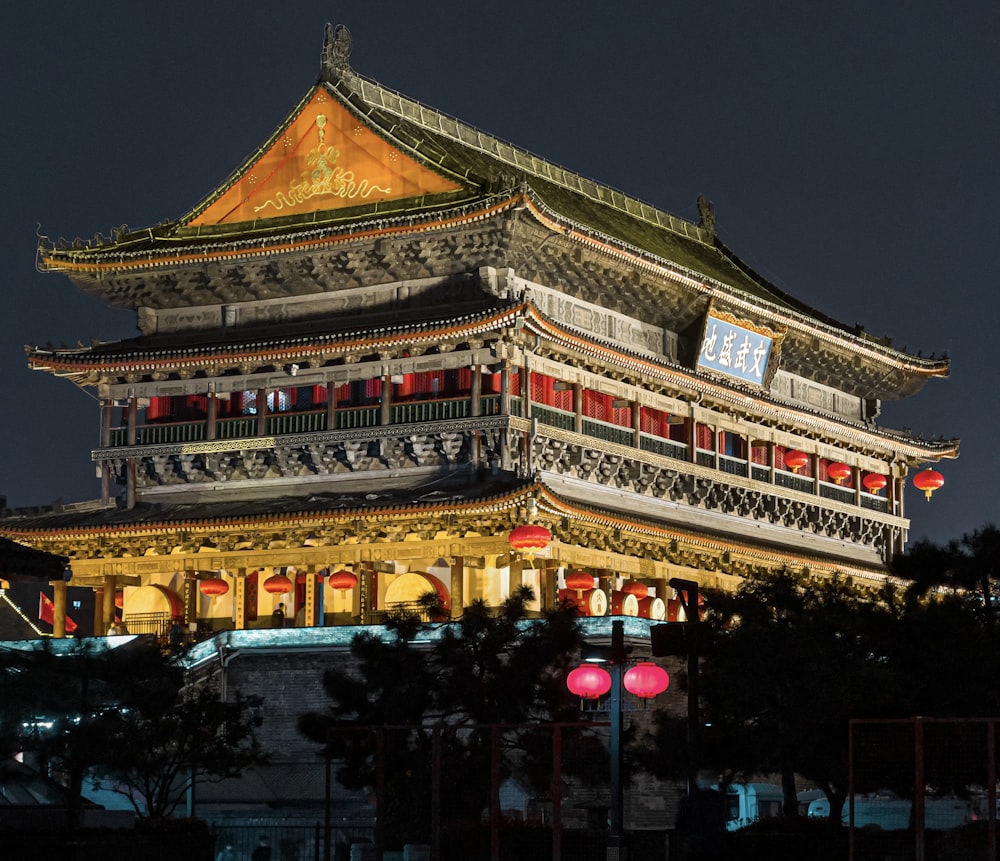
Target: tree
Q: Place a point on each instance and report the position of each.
(492, 666)
(969, 565)
(86, 709)
(788, 666)
(157, 755)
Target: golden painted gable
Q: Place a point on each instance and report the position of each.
(325, 159)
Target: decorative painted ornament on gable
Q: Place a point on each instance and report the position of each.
(738, 349)
(323, 159)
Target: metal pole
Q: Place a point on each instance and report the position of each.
(614, 848)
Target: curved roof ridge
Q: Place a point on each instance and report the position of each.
(348, 82)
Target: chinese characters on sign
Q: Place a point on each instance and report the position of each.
(734, 350)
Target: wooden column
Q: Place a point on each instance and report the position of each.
(58, 607)
(240, 599)
(505, 462)
(385, 404)
(475, 409)
(99, 625)
(261, 412)
(637, 424)
(457, 587)
(106, 421)
(310, 616)
(213, 416)
(190, 599)
(108, 605)
(131, 432)
(691, 435)
(331, 406)
(577, 407)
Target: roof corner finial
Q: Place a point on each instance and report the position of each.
(706, 214)
(336, 51)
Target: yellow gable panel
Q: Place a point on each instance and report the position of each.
(326, 159)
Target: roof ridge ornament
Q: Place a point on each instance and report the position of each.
(706, 215)
(336, 57)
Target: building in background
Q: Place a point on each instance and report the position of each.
(389, 340)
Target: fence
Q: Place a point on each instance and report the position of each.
(922, 789)
(486, 793)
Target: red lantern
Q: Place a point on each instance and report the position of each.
(646, 680)
(795, 460)
(874, 482)
(343, 581)
(838, 471)
(634, 587)
(529, 538)
(928, 481)
(589, 682)
(277, 584)
(213, 586)
(578, 581)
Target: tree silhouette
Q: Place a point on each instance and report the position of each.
(410, 693)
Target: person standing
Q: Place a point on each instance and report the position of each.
(278, 616)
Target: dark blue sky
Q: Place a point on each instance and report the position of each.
(850, 150)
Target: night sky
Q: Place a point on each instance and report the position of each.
(850, 151)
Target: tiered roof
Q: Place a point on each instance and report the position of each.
(355, 161)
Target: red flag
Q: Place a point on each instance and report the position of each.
(46, 612)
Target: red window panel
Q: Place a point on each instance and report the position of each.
(515, 382)
(491, 384)
(373, 388)
(596, 405)
(159, 408)
(344, 394)
(621, 416)
(464, 381)
(195, 406)
(543, 389)
(563, 400)
(319, 394)
(705, 437)
(758, 454)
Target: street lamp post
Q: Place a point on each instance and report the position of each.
(616, 657)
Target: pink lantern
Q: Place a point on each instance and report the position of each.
(646, 680)
(277, 584)
(589, 681)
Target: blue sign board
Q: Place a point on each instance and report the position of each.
(735, 350)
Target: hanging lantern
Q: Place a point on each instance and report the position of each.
(529, 538)
(795, 460)
(646, 680)
(589, 682)
(213, 586)
(635, 587)
(343, 581)
(874, 482)
(277, 584)
(838, 471)
(928, 481)
(578, 581)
